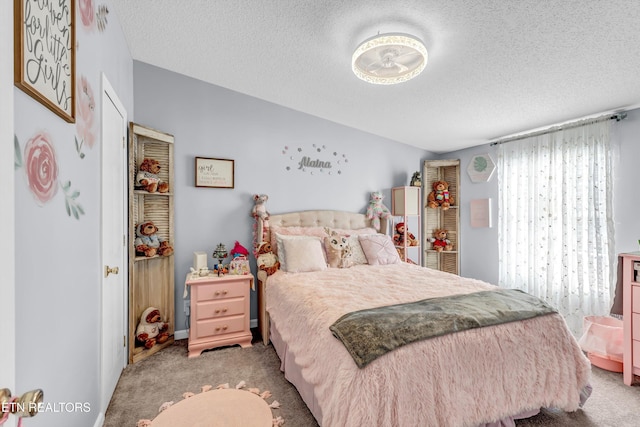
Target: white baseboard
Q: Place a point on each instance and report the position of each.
(100, 420)
(183, 334)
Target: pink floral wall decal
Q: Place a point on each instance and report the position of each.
(85, 115)
(87, 13)
(92, 17)
(41, 169)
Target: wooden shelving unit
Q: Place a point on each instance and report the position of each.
(151, 279)
(438, 218)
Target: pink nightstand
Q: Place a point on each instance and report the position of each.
(219, 311)
(631, 316)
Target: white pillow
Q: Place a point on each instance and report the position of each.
(303, 255)
(280, 238)
(357, 254)
(379, 249)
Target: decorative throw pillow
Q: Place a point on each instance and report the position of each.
(280, 238)
(303, 255)
(357, 254)
(338, 251)
(379, 249)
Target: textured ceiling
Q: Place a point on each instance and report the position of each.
(496, 67)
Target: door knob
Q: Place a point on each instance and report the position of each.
(112, 270)
(23, 406)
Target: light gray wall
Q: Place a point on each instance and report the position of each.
(479, 252)
(58, 265)
(263, 139)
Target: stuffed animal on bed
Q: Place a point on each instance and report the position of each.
(338, 249)
(266, 259)
(377, 210)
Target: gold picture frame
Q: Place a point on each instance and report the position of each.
(214, 173)
(44, 53)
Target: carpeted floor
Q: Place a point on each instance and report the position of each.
(165, 376)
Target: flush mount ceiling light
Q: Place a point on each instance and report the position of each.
(389, 59)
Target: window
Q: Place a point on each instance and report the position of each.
(555, 219)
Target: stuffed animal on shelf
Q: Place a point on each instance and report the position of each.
(148, 179)
(259, 208)
(377, 210)
(152, 330)
(401, 233)
(338, 249)
(416, 181)
(266, 259)
(440, 196)
(440, 241)
(148, 243)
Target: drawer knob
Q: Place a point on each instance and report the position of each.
(224, 328)
(217, 293)
(217, 311)
(218, 329)
(224, 292)
(224, 310)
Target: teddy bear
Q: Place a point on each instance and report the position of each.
(440, 196)
(338, 249)
(148, 243)
(266, 259)
(148, 179)
(259, 208)
(400, 234)
(440, 241)
(152, 329)
(377, 210)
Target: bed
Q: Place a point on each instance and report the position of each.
(486, 376)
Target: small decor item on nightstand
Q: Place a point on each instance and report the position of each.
(220, 254)
(240, 262)
(416, 181)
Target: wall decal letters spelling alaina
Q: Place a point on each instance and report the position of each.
(315, 160)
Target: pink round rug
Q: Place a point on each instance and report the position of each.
(217, 408)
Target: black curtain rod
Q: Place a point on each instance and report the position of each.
(617, 117)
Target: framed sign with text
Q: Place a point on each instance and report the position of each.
(44, 53)
(214, 173)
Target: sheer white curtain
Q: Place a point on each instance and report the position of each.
(555, 219)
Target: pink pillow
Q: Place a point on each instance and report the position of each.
(379, 249)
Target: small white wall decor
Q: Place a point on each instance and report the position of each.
(315, 160)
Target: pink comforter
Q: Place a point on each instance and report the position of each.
(463, 379)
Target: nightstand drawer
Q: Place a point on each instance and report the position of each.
(222, 308)
(215, 327)
(220, 290)
(636, 354)
(635, 298)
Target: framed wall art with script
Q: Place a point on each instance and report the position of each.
(44, 62)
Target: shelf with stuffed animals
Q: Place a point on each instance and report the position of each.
(405, 204)
(441, 215)
(151, 237)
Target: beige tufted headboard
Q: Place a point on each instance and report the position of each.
(319, 218)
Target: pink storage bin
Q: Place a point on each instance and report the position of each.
(602, 341)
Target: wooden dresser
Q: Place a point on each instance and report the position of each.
(631, 315)
(219, 311)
